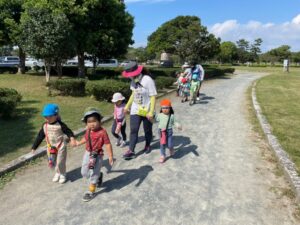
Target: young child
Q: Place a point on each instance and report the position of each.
(119, 124)
(166, 122)
(185, 89)
(53, 130)
(94, 138)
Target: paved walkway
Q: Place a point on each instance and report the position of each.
(217, 176)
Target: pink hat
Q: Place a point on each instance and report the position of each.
(132, 69)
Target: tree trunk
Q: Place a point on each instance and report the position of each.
(81, 70)
(58, 68)
(47, 70)
(22, 56)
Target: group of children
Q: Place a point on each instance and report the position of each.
(53, 130)
(184, 80)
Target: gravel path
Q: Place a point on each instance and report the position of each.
(217, 176)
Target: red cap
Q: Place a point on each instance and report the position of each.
(165, 102)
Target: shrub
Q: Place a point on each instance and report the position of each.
(72, 87)
(104, 89)
(103, 73)
(8, 69)
(163, 82)
(9, 98)
(215, 72)
(166, 72)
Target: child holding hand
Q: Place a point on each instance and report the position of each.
(54, 130)
(94, 139)
(119, 124)
(166, 121)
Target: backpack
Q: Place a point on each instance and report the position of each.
(196, 73)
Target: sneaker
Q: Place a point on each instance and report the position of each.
(162, 159)
(118, 142)
(171, 152)
(99, 183)
(198, 98)
(56, 177)
(123, 144)
(62, 179)
(147, 149)
(88, 196)
(129, 154)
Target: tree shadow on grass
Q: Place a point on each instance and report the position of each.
(126, 178)
(17, 132)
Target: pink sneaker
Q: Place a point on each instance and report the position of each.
(162, 159)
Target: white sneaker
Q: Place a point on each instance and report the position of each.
(62, 179)
(118, 142)
(198, 98)
(122, 144)
(56, 177)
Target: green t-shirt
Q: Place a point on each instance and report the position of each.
(162, 120)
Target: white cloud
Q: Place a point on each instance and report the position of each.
(147, 1)
(273, 35)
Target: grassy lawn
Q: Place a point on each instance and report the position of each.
(17, 135)
(279, 98)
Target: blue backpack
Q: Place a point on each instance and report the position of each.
(196, 74)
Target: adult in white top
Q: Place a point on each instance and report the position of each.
(141, 105)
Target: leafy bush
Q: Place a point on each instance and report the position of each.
(70, 71)
(104, 89)
(9, 98)
(166, 72)
(215, 72)
(163, 82)
(103, 73)
(8, 69)
(73, 87)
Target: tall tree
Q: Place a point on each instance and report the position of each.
(228, 52)
(243, 50)
(101, 28)
(46, 33)
(10, 30)
(255, 49)
(185, 37)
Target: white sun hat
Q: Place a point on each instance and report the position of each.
(117, 97)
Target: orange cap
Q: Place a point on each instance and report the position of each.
(165, 102)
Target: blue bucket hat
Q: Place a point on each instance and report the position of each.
(50, 110)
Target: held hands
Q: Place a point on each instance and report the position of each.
(73, 142)
(126, 110)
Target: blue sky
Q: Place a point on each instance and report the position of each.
(277, 22)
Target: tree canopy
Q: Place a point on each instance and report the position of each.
(186, 37)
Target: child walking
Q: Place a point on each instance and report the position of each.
(166, 122)
(95, 137)
(119, 124)
(53, 130)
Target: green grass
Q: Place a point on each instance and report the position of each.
(279, 98)
(18, 134)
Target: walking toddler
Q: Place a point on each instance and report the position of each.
(95, 137)
(119, 124)
(53, 130)
(166, 122)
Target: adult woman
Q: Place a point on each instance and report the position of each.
(141, 104)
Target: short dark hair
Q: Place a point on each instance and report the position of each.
(95, 115)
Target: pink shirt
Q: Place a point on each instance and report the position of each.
(119, 114)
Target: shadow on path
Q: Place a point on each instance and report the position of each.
(126, 178)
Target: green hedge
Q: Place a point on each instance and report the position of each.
(215, 72)
(164, 82)
(104, 89)
(9, 98)
(70, 86)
